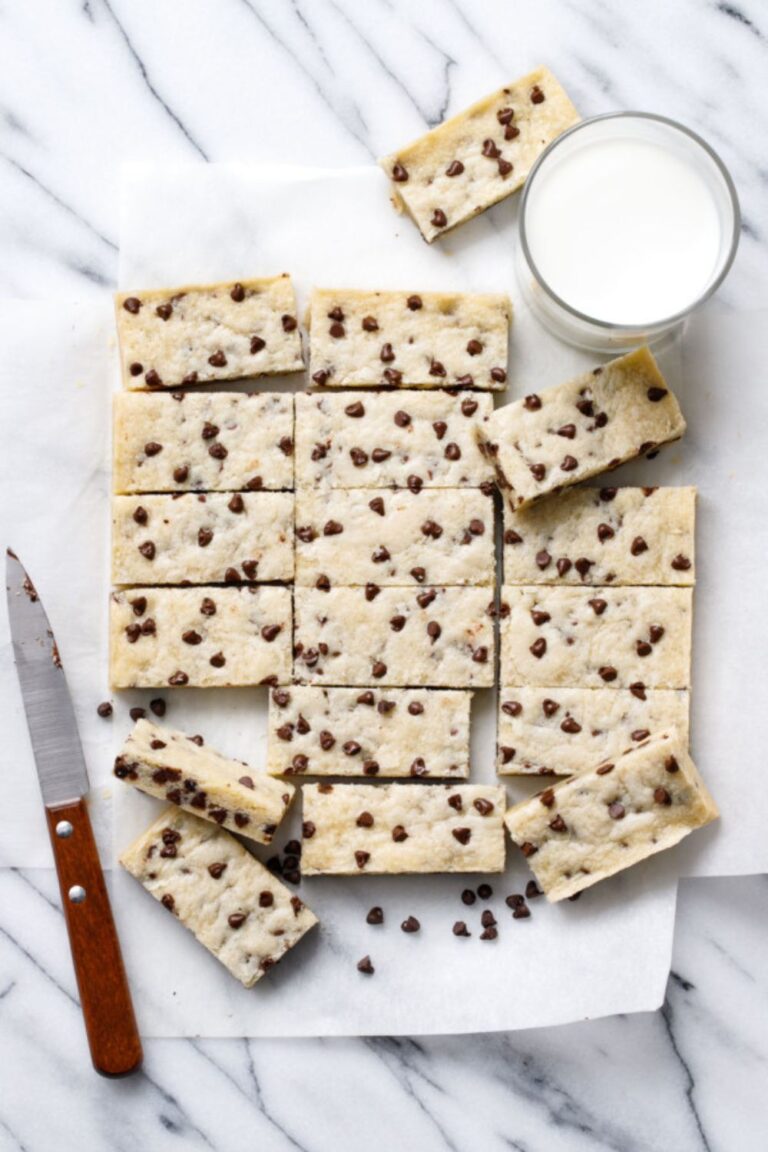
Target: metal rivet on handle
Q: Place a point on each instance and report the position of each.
(64, 829)
(77, 894)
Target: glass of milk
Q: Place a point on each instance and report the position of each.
(627, 223)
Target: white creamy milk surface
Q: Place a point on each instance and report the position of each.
(624, 230)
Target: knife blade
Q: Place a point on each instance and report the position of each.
(105, 998)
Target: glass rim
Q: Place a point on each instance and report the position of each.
(662, 322)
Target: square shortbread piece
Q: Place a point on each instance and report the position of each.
(356, 829)
(212, 538)
(391, 439)
(171, 766)
(575, 430)
(614, 815)
(402, 339)
(226, 898)
(561, 731)
(202, 441)
(355, 536)
(206, 637)
(172, 337)
(479, 157)
(603, 536)
(368, 732)
(596, 637)
(394, 637)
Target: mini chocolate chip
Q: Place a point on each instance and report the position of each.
(483, 806)
(167, 900)
(640, 734)
(387, 354)
(484, 891)
(210, 431)
(270, 632)
(656, 394)
(455, 168)
(237, 919)
(511, 707)
(419, 768)
(104, 710)
(607, 673)
(655, 633)
(643, 648)
(369, 324)
(359, 457)
(460, 929)
(402, 419)
(365, 966)
(377, 505)
(204, 537)
(218, 451)
(638, 546)
(604, 769)
(480, 655)
(538, 648)
(661, 796)
(379, 669)
(416, 708)
(217, 359)
(379, 455)
(332, 528)
(415, 303)
(147, 549)
(257, 344)
(616, 811)
(399, 834)
(411, 924)
(132, 304)
(532, 402)
(455, 802)
(597, 605)
(436, 368)
(438, 218)
(375, 916)
(543, 559)
(362, 858)
(351, 748)
(399, 173)
(681, 563)
(505, 166)
(152, 448)
(558, 824)
(582, 566)
(372, 591)
(538, 471)
(671, 764)
(468, 897)
(320, 378)
(498, 375)
(539, 617)
(569, 463)
(289, 323)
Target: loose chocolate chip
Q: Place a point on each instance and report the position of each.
(681, 563)
(375, 916)
(656, 394)
(402, 419)
(543, 559)
(487, 919)
(415, 303)
(362, 858)
(399, 173)
(484, 891)
(399, 834)
(460, 929)
(439, 218)
(671, 765)
(104, 710)
(365, 966)
(455, 168)
(597, 605)
(538, 648)
(370, 324)
(138, 714)
(616, 811)
(411, 924)
(468, 897)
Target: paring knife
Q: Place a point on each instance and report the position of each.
(104, 995)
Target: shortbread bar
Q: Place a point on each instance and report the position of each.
(596, 637)
(394, 637)
(611, 816)
(402, 339)
(171, 766)
(204, 441)
(368, 732)
(603, 536)
(205, 637)
(561, 731)
(479, 157)
(354, 829)
(173, 337)
(403, 439)
(192, 538)
(356, 536)
(226, 898)
(575, 430)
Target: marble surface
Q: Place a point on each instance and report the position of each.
(87, 85)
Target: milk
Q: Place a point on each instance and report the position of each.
(625, 230)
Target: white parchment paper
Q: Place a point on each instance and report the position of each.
(607, 953)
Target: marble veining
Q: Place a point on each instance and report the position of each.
(85, 86)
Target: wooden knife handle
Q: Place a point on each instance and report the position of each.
(105, 998)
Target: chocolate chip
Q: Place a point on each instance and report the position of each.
(152, 448)
(218, 452)
(671, 764)
(499, 375)
(289, 323)
(104, 710)
(532, 402)
(356, 409)
(655, 633)
(415, 484)
(387, 354)
(364, 820)
(399, 834)
(455, 168)
(616, 811)
(604, 769)
(361, 859)
(168, 901)
(392, 377)
(359, 457)
(490, 149)
(468, 897)
(237, 919)
(332, 528)
(379, 669)
(537, 96)
(381, 555)
(157, 707)
(375, 916)
(411, 924)
(399, 173)
(460, 929)
(379, 455)
(638, 546)
(607, 673)
(204, 537)
(270, 632)
(439, 218)
(369, 324)
(436, 368)
(371, 591)
(415, 303)
(528, 849)
(210, 431)
(178, 679)
(370, 767)
(320, 378)
(597, 605)
(402, 419)
(538, 471)
(147, 549)
(567, 430)
(218, 359)
(511, 707)
(643, 648)
(569, 463)
(257, 344)
(365, 966)
(656, 394)
(455, 802)
(538, 648)
(661, 796)
(681, 563)
(152, 379)
(484, 891)
(640, 734)
(538, 616)
(543, 559)
(480, 655)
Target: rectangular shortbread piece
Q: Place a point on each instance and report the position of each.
(479, 157)
(172, 337)
(352, 829)
(603, 536)
(399, 637)
(560, 731)
(368, 732)
(402, 339)
(385, 439)
(214, 441)
(354, 536)
(596, 637)
(205, 637)
(167, 764)
(575, 430)
(611, 816)
(226, 898)
(201, 538)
